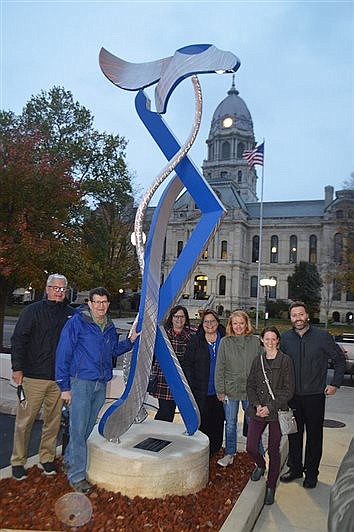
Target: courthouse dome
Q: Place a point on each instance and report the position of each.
(232, 107)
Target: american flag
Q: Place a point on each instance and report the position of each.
(255, 156)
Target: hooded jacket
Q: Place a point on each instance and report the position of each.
(85, 351)
(35, 338)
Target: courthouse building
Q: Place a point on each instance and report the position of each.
(293, 231)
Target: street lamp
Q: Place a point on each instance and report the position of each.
(267, 283)
(120, 292)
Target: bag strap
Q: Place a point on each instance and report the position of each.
(267, 380)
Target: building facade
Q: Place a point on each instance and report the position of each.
(226, 277)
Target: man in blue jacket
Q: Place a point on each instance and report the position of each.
(84, 355)
(310, 349)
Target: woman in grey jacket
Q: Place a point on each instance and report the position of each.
(263, 410)
(236, 353)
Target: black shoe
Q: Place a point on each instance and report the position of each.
(82, 486)
(19, 472)
(269, 496)
(257, 474)
(290, 475)
(48, 468)
(309, 483)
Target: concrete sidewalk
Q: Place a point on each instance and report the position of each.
(299, 509)
(295, 508)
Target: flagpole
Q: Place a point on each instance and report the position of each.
(260, 241)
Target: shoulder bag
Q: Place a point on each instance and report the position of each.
(286, 418)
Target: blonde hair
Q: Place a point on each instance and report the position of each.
(239, 314)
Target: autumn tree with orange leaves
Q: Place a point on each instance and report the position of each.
(66, 199)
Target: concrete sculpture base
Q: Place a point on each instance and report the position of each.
(180, 468)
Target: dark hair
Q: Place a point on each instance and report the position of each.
(173, 311)
(295, 304)
(99, 291)
(212, 312)
(271, 328)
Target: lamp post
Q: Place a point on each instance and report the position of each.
(120, 292)
(267, 283)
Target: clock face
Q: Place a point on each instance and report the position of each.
(227, 122)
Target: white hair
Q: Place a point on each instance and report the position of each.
(54, 276)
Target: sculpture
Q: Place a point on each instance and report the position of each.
(156, 300)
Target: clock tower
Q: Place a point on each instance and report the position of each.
(231, 133)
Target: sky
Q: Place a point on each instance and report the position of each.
(296, 77)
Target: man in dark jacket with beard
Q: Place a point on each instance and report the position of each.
(33, 347)
(310, 349)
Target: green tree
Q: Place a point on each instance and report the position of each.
(91, 241)
(37, 193)
(305, 285)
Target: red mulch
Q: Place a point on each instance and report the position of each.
(29, 504)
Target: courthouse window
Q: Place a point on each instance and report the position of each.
(313, 249)
(223, 254)
(255, 248)
(179, 247)
(274, 249)
(222, 285)
(293, 249)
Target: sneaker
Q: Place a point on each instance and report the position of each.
(48, 468)
(19, 472)
(65, 467)
(227, 460)
(82, 486)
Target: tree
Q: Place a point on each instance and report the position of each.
(305, 285)
(76, 176)
(37, 193)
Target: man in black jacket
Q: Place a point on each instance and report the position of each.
(310, 349)
(33, 347)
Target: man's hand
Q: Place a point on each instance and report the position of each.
(133, 335)
(17, 377)
(330, 390)
(66, 397)
(221, 397)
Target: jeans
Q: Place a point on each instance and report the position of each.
(87, 398)
(231, 413)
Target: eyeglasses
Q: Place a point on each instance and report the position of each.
(104, 302)
(58, 288)
(209, 322)
(178, 317)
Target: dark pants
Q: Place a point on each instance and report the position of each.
(256, 428)
(212, 421)
(309, 413)
(166, 411)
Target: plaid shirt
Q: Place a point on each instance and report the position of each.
(179, 343)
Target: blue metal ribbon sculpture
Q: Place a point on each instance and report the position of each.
(156, 300)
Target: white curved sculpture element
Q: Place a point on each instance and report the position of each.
(167, 72)
(171, 165)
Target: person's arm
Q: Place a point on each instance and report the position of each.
(64, 356)
(188, 362)
(338, 359)
(19, 343)
(123, 346)
(287, 389)
(251, 386)
(220, 368)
